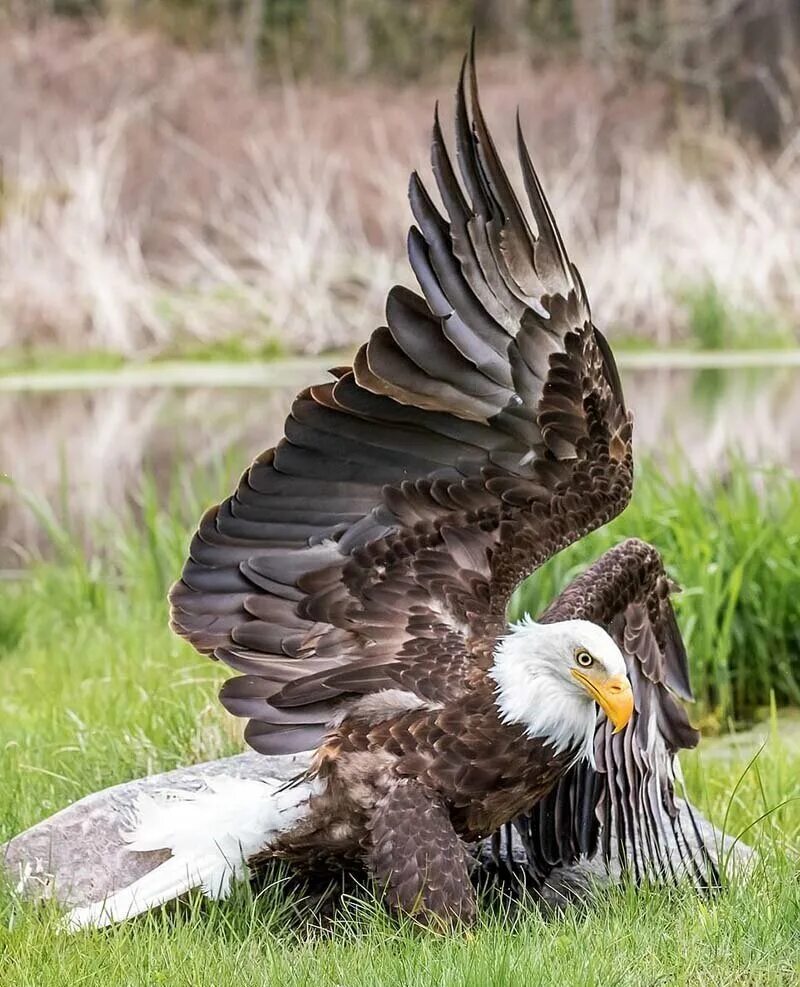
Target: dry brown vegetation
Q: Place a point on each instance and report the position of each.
(153, 197)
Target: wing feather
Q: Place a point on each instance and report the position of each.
(479, 431)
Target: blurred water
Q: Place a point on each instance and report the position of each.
(83, 452)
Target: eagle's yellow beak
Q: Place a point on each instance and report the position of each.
(612, 692)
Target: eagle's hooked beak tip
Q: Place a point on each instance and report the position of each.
(613, 694)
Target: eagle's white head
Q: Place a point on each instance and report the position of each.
(549, 677)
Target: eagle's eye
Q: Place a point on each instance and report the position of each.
(584, 659)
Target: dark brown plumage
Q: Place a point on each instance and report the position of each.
(363, 567)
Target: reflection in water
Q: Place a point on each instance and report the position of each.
(704, 415)
(83, 453)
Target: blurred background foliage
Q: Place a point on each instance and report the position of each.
(739, 56)
(225, 179)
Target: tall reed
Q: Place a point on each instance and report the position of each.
(186, 206)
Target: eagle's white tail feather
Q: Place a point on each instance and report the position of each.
(212, 833)
(170, 880)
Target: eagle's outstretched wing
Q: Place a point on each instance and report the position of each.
(478, 433)
(624, 807)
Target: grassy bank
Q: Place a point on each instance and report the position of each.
(32, 370)
(96, 690)
(747, 936)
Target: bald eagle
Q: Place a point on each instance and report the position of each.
(358, 581)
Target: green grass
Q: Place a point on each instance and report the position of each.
(714, 324)
(94, 690)
(232, 349)
(30, 359)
